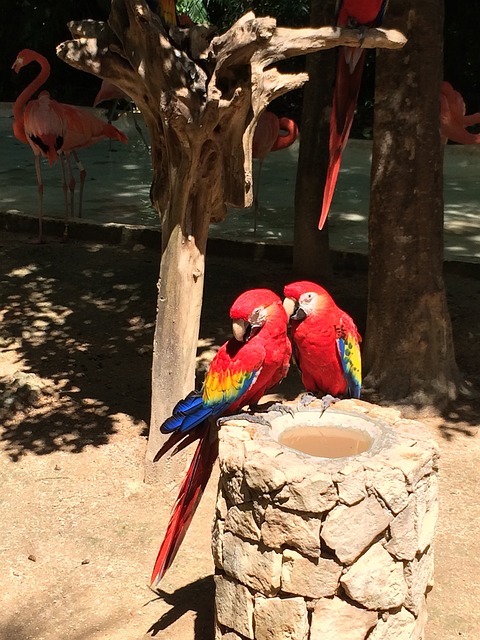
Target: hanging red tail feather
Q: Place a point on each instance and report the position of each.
(189, 496)
(347, 87)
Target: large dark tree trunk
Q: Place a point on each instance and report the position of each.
(311, 255)
(408, 354)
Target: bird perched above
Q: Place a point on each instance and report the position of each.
(243, 370)
(352, 14)
(326, 342)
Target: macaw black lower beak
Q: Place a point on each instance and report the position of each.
(299, 315)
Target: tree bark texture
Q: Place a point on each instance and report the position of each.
(201, 95)
(408, 354)
(311, 255)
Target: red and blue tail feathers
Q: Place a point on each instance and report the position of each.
(191, 491)
(187, 414)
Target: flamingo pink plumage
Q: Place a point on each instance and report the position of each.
(453, 121)
(272, 134)
(53, 129)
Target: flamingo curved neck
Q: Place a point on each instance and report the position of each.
(27, 93)
(285, 140)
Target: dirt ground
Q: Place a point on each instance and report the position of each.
(80, 529)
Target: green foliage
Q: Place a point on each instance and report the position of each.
(223, 13)
(195, 9)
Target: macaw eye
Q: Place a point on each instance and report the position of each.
(256, 316)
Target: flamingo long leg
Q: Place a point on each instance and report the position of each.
(83, 175)
(65, 190)
(256, 196)
(38, 171)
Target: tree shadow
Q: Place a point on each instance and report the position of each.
(198, 597)
(77, 327)
(461, 419)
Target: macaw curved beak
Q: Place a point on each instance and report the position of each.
(239, 329)
(299, 315)
(289, 305)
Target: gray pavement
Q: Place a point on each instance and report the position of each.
(119, 176)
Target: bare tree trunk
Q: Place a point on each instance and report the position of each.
(311, 251)
(408, 354)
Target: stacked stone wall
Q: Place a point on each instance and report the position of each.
(307, 548)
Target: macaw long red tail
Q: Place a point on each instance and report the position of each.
(345, 96)
(189, 496)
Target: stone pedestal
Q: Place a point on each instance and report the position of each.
(325, 548)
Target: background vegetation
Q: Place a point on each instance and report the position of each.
(42, 24)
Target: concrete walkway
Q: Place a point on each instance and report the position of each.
(119, 177)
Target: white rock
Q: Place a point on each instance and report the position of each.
(280, 619)
(291, 529)
(312, 578)
(398, 626)
(252, 564)
(350, 530)
(426, 511)
(376, 580)
(234, 606)
(217, 543)
(234, 488)
(351, 483)
(415, 462)
(390, 485)
(418, 576)
(315, 494)
(262, 474)
(240, 520)
(404, 537)
(335, 619)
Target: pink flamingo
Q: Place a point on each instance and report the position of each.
(110, 91)
(453, 121)
(54, 130)
(272, 133)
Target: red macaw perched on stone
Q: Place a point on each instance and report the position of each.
(326, 342)
(350, 64)
(245, 367)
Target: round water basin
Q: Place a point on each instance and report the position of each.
(326, 441)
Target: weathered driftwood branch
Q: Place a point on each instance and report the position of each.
(194, 92)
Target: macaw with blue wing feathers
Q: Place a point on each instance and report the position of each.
(244, 369)
(326, 342)
(352, 14)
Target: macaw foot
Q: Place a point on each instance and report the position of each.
(281, 408)
(306, 399)
(249, 417)
(328, 400)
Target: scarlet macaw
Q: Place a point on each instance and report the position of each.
(350, 64)
(326, 342)
(245, 367)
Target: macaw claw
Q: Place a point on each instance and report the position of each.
(249, 417)
(306, 399)
(281, 408)
(327, 400)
